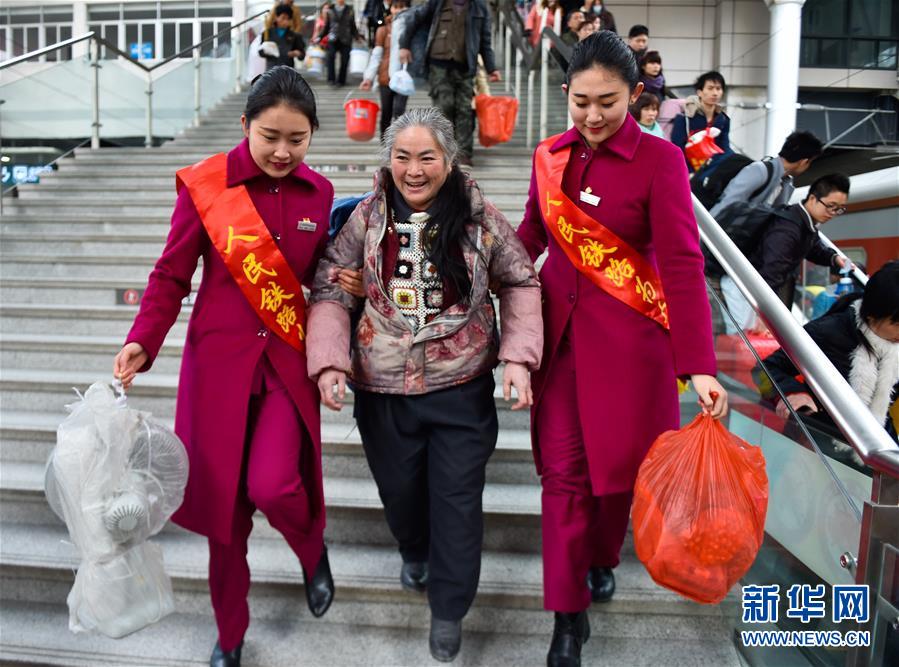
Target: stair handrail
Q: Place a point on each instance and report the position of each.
(97, 41)
(868, 438)
(509, 37)
(127, 56)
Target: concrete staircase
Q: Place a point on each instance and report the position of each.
(96, 226)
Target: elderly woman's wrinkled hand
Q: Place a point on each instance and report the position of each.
(326, 383)
(517, 376)
(350, 281)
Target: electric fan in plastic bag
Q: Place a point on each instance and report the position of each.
(115, 477)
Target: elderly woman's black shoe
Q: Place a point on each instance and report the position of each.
(220, 658)
(570, 633)
(320, 588)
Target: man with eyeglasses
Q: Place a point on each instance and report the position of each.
(788, 236)
(792, 235)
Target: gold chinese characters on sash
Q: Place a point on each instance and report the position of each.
(597, 252)
(243, 241)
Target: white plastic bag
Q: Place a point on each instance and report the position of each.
(270, 49)
(255, 62)
(315, 60)
(358, 60)
(122, 595)
(401, 82)
(115, 477)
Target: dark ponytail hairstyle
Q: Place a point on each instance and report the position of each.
(281, 85)
(607, 50)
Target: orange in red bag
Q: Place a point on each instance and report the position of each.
(496, 118)
(699, 509)
(701, 147)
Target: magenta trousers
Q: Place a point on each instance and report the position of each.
(270, 482)
(580, 530)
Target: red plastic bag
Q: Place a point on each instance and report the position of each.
(699, 509)
(701, 147)
(496, 118)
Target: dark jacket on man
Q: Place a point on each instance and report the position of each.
(789, 238)
(477, 31)
(697, 122)
(340, 25)
(289, 41)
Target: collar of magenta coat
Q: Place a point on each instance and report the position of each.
(623, 143)
(242, 167)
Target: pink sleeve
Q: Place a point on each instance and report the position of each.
(675, 237)
(531, 231)
(327, 338)
(170, 280)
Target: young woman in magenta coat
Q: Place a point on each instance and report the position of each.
(625, 314)
(246, 409)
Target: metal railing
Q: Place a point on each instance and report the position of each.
(879, 538)
(516, 52)
(862, 431)
(96, 42)
(829, 138)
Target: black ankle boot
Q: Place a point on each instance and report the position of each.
(570, 633)
(320, 588)
(601, 581)
(445, 639)
(220, 658)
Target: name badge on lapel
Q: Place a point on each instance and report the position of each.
(306, 225)
(588, 198)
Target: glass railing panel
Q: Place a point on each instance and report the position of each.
(173, 97)
(123, 101)
(817, 488)
(218, 78)
(36, 134)
(24, 84)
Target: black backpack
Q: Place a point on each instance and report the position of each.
(709, 183)
(744, 224)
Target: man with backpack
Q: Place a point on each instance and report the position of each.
(788, 237)
(767, 182)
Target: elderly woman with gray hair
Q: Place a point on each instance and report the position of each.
(431, 248)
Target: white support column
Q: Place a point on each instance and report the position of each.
(783, 71)
(79, 27)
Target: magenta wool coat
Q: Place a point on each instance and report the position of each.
(226, 340)
(626, 363)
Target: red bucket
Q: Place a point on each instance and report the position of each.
(361, 119)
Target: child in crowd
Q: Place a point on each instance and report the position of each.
(645, 111)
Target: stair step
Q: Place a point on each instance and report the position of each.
(29, 437)
(36, 634)
(354, 511)
(49, 390)
(362, 573)
(72, 291)
(83, 320)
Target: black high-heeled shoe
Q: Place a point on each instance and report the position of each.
(320, 588)
(220, 658)
(601, 581)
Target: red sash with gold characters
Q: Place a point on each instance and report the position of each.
(597, 252)
(248, 250)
